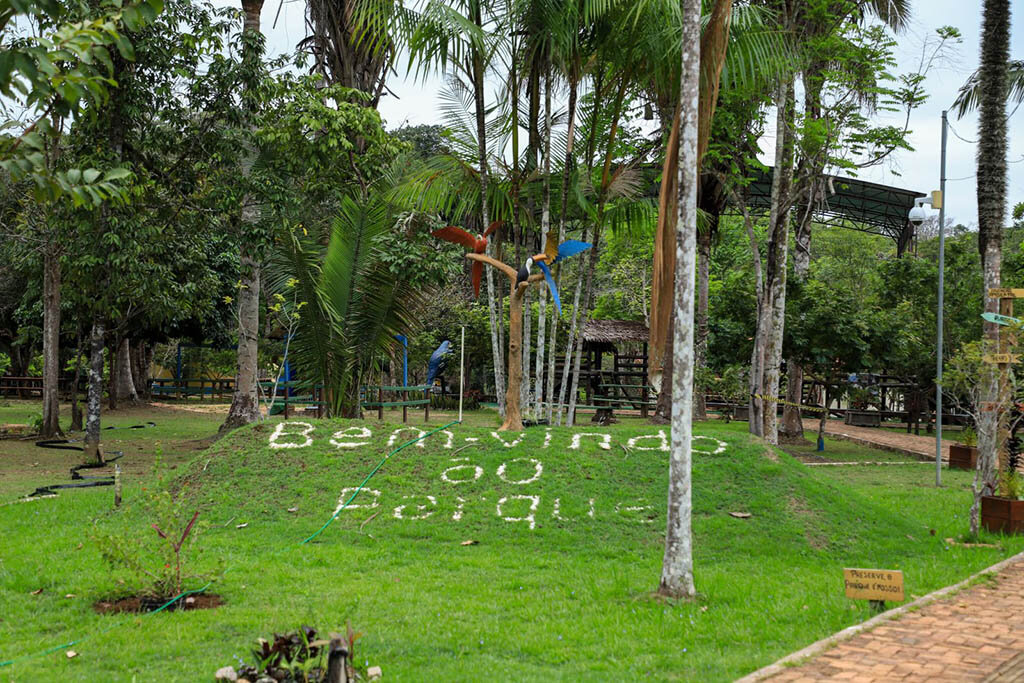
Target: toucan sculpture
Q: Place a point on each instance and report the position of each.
(554, 252)
(477, 245)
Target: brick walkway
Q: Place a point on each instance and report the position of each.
(974, 635)
(920, 447)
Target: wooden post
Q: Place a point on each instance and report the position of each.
(337, 662)
(426, 406)
(117, 486)
(380, 404)
(405, 408)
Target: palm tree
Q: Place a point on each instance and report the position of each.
(992, 91)
(349, 305)
(970, 92)
(353, 42)
(452, 33)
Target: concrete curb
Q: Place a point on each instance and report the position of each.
(815, 649)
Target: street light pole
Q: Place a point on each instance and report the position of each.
(942, 273)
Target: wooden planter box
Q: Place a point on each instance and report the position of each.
(962, 457)
(863, 418)
(741, 413)
(1002, 515)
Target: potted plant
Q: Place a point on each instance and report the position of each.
(964, 455)
(1005, 513)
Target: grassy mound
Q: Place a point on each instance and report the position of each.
(568, 528)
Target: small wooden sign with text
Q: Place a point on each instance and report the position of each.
(873, 584)
(1005, 293)
(998, 358)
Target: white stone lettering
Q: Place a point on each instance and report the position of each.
(509, 444)
(476, 469)
(719, 445)
(400, 510)
(547, 437)
(556, 512)
(459, 504)
(303, 430)
(538, 469)
(590, 513)
(344, 438)
(347, 493)
(450, 443)
(605, 440)
(661, 445)
(401, 430)
(621, 508)
(530, 518)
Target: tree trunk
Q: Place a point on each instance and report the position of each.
(76, 409)
(125, 381)
(677, 565)
(140, 369)
(588, 290)
(245, 407)
(51, 345)
(767, 353)
(570, 346)
(112, 359)
(525, 395)
(991, 191)
(792, 426)
(513, 419)
(700, 410)
(93, 452)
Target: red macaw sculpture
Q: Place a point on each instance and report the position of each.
(476, 244)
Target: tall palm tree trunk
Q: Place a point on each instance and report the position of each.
(992, 86)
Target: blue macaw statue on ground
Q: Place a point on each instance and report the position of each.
(438, 361)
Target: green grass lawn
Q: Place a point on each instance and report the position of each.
(559, 586)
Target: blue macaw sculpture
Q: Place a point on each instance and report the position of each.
(438, 361)
(557, 253)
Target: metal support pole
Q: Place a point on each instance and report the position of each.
(942, 274)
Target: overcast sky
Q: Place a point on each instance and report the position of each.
(417, 103)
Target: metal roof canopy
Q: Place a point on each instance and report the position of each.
(851, 203)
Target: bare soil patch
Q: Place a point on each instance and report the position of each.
(141, 605)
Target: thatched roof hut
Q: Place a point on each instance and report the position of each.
(614, 332)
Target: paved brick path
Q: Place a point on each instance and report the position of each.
(974, 635)
(921, 447)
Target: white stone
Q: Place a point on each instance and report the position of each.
(538, 469)
(279, 431)
(662, 444)
(530, 518)
(343, 438)
(347, 493)
(605, 441)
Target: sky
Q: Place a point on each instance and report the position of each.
(417, 102)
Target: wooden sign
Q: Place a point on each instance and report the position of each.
(998, 358)
(874, 584)
(1005, 293)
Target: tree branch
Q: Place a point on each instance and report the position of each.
(509, 271)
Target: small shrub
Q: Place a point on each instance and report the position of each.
(968, 437)
(158, 559)
(298, 657)
(35, 423)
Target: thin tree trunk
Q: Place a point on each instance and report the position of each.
(792, 426)
(578, 332)
(93, 452)
(245, 405)
(112, 361)
(700, 411)
(140, 369)
(525, 393)
(513, 418)
(125, 382)
(76, 409)
(767, 353)
(51, 345)
(677, 565)
(991, 191)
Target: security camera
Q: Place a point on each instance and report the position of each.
(917, 215)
